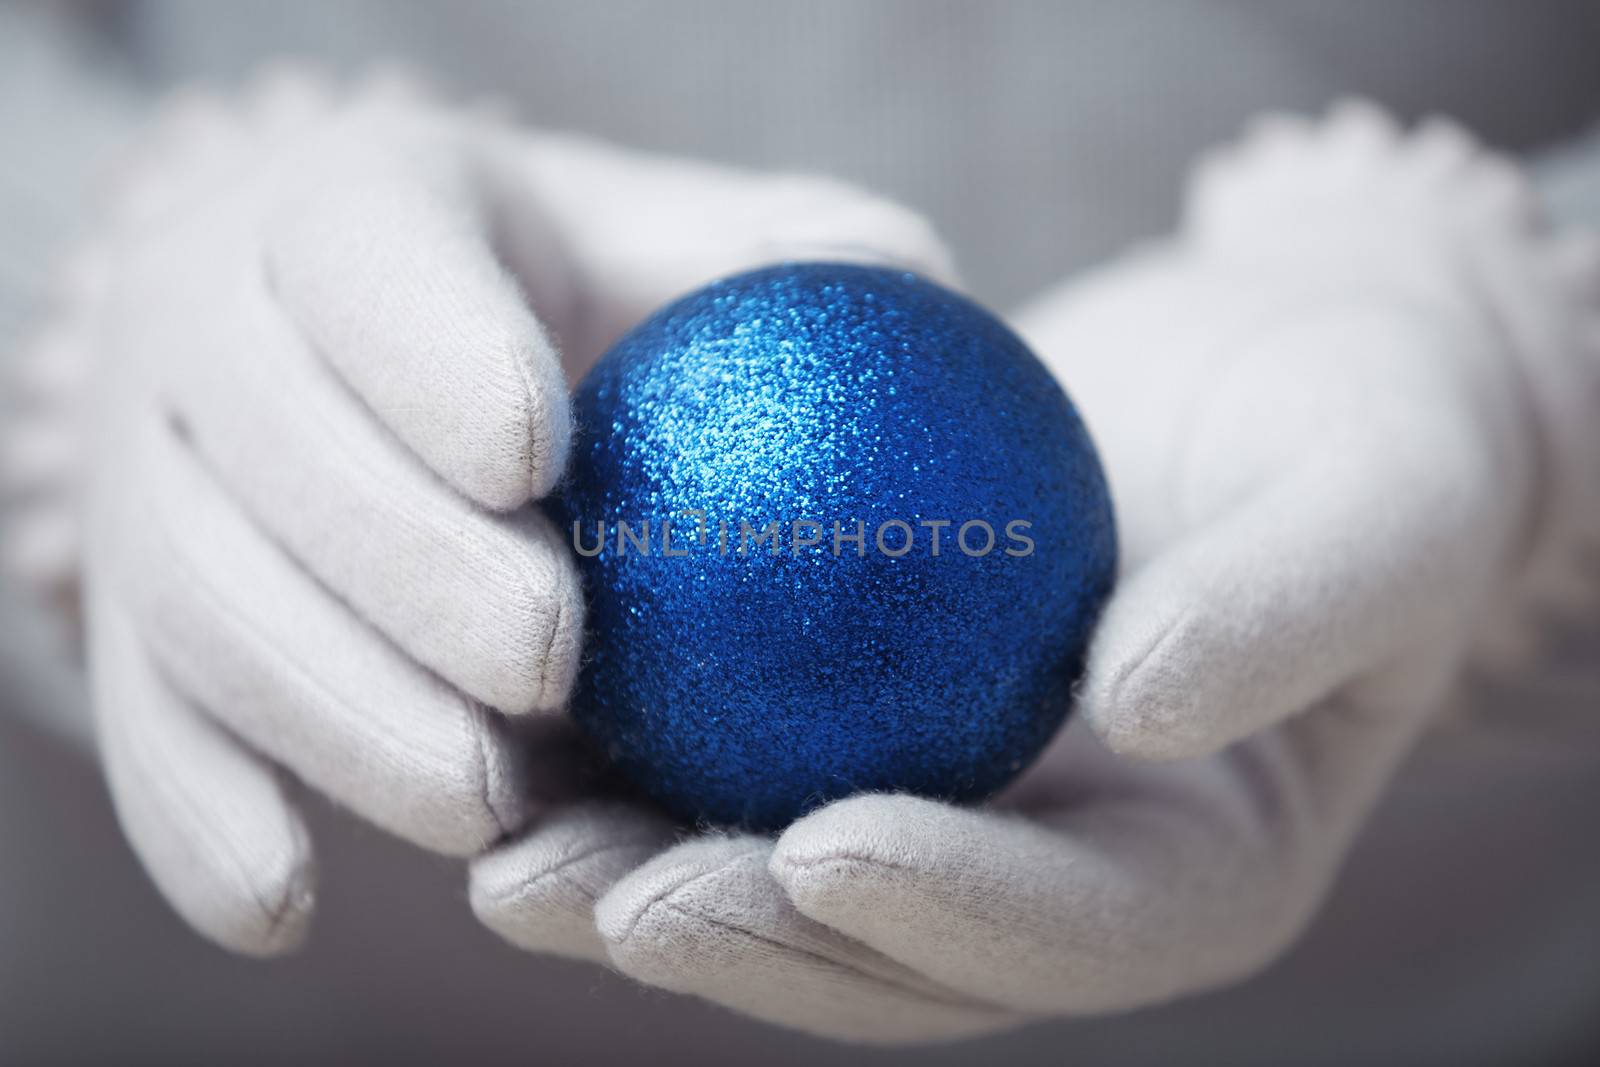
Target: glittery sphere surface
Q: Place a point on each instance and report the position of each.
(742, 676)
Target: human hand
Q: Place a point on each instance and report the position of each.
(319, 334)
(1347, 416)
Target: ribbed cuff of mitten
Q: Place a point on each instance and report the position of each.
(66, 111)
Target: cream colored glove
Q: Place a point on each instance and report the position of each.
(1350, 420)
(319, 340)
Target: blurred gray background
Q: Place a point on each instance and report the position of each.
(1040, 138)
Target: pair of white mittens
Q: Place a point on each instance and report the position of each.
(1347, 412)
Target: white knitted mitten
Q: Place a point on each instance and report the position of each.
(1349, 415)
(318, 342)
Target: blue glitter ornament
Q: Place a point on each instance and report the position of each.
(840, 531)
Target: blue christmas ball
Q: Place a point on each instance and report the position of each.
(840, 531)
